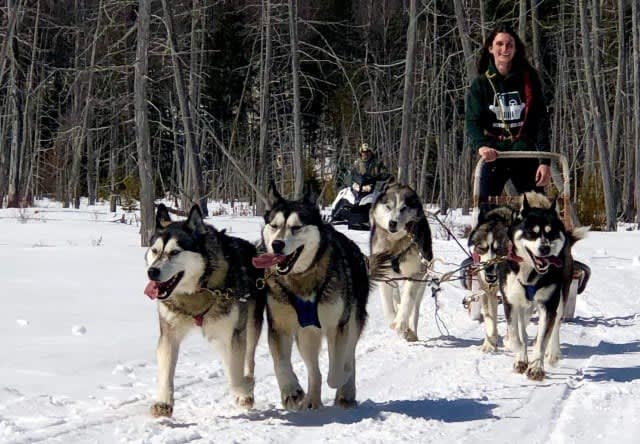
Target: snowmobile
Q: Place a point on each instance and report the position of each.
(352, 204)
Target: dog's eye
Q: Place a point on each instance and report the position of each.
(154, 250)
(295, 229)
(174, 253)
(273, 227)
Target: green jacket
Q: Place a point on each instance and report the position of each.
(507, 113)
(372, 167)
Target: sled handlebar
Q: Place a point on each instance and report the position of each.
(564, 187)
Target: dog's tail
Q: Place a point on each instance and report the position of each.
(378, 265)
(578, 233)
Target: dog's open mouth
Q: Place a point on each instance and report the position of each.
(162, 290)
(283, 263)
(542, 263)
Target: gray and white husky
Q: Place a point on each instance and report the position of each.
(318, 287)
(539, 276)
(399, 228)
(203, 278)
(489, 244)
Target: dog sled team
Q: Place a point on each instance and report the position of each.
(314, 283)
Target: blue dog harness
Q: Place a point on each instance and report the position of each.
(307, 311)
(529, 291)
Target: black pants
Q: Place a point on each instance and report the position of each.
(494, 175)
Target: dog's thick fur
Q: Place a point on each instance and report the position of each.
(539, 278)
(325, 271)
(201, 276)
(399, 227)
(489, 242)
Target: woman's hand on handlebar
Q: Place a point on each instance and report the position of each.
(487, 153)
(543, 175)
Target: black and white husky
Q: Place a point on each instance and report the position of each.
(399, 228)
(490, 244)
(538, 275)
(203, 278)
(318, 287)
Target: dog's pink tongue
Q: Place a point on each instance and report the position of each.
(268, 260)
(152, 290)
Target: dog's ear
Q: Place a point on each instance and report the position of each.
(525, 204)
(273, 196)
(162, 217)
(195, 222)
(311, 196)
(390, 181)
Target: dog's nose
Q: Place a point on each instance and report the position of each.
(544, 250)
(277, 246)
(490, 274)
(393, 225)
(153, 273)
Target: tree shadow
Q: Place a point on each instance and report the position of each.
(448, 341)
(602, 349)
(596, 321)
(615, 374)
(456, 410)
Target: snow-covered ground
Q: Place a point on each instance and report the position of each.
(77, 354)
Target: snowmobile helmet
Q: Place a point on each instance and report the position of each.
(365, 147)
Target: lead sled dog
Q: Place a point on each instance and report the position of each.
(203, 278)
(489, 244)
(400, 228)
(537, 275)
(317, 286)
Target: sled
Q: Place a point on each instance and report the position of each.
(581, 271)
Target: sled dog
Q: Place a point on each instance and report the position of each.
(203, 278)
(399, 227)
(538, 275)
(317, 285)
(489, 243)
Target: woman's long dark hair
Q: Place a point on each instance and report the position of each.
(520, 57)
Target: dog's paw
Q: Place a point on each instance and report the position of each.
(161, 409)
(535, 373)
(409, 335)
(311, 402)
(488, 346)
(244, 401)
(520, 367)
(553, 357)
(345, 403)
(292, 397)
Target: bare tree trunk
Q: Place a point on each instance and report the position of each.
(298, 167)
(635, 21)
(535, 38)
(407, 99)
(598, 123)
(145, 168)
(15, 110)
(263, 169)
(192, 151)
(522, 20)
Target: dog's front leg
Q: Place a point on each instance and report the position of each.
(232, 347)
(517, 339)
(387, 295)
(546, 321)
(167, 356)
(309, 341)
(553, 348)
(489, 301)
(411, 295)
(280, 345)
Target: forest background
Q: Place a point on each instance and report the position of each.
(204, 99)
